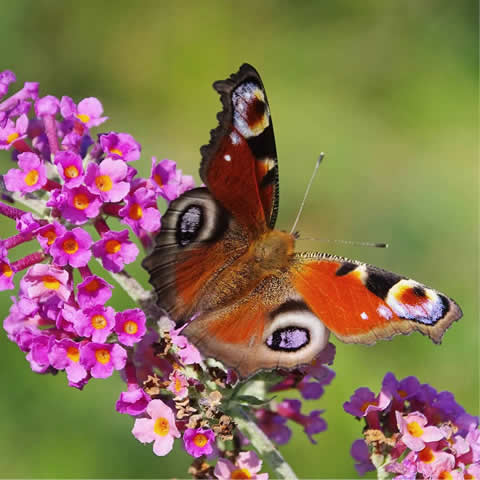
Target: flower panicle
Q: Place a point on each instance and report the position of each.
(413, 431)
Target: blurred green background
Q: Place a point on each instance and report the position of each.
(387, 89)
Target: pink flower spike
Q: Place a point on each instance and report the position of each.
(32, 175)
(178, 385)
(107, 180)
(70, 168)
(115, 250)
(198, 441)
(72, 248)
(101, 359)
(43, 281)
(160, 428)
(95, 322)
(93, 290)
(130, 326)
(120, 146)
(415, 432)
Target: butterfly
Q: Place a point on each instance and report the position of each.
(257, 304)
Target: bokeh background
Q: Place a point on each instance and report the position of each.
(388, 89)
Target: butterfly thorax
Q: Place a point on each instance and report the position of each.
(272, 252)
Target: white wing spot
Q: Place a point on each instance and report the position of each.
(364, 316)
(235, 138)
(384, 312)
(227, 158)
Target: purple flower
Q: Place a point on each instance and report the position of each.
(141, 212)
(247, 465)
(102, 358)
(198, 441)
(48, 105)
(65, 354)
(160, 428)
(360, 453)
(6, 78)
(70, 168)
(133, 402)
(163, 179)
(72, 248)
(93, 290)
(13, 132)
(95, 322)
(415, 432)
(89, 111)
(400, 390)
(31, 176)
(6, 271)
(26, 223)
(178, 384)
(363, 401)
(115, 250)
(120, 146)
(43, 281)
(130, 326)
(77, 204)
(273, 425)
(107, 180)
(187, 352)
(49, 233)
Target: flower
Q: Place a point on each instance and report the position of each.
(43, 281)
(178, 384)
(94, 290)
(77, 204)
(95, 322)
(31, 176)
(6, 271)
(115, 250)
(13, 131)
(47, 234)
(140, 211)
(65, 354)
(415, 432)
(88, 111)
(70, 168)
(120, 146)
(72, 248)
(102, 358)
(130, 326)
(364, 401)
(247, 465)
(273, 425)
(160, 428)
(199, 441)
(359, 451)
(133, 402)
(107, 180)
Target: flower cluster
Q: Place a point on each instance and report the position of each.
(412, 431)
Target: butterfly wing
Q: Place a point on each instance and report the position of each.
(239, 165)
(269, 328)
(360, 303)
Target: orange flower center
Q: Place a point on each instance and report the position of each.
(50, 235)
(426, 455)
(73, 353)
(31, 178)
(6, 270)
(98, 322)
(200, 440)
(104, 183)
(83, 117)
(178, 385)
(161, 427)
(12, 137)
(364, 407)
(415, 429)
(92, 286)
(240, 473)
(70, 246)
(102, 355)
(402, 393)
(447, 475)
(130, 327)
(135, 212)
(80, 201)
(113, 246)
(158, 180)
(71, 171)
(116, 151)
(50, 282)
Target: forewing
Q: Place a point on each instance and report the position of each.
(360, 303)
(239, 165)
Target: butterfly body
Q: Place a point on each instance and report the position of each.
(256, 303)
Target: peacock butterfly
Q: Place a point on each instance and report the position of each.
(257, 303)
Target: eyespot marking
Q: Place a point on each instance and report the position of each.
(189, 224)
(288, 339)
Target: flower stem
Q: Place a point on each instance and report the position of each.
(262, 443)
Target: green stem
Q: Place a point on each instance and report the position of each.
(263, 445)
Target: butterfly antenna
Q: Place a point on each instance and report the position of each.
(348, 242)
(319, 161)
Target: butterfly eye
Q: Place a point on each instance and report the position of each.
(189, 224)
(288, 339)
